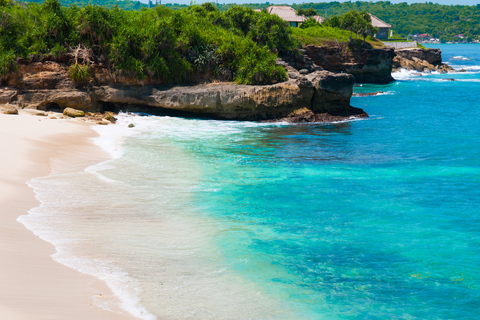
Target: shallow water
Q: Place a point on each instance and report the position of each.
(368, 219)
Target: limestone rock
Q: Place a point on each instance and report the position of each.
(423, 60)
(41, 75)
(8, 109)
(366, 65)
(304, 115)
(7, 95)
(293, 75)
(432, 56)
(46, 86)
(35, 112)
(73, 112)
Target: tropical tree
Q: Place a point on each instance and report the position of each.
(355, 22)
(310, 12)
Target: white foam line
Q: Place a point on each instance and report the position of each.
(461, 58)
(386, 93)
(110, 140)
(118, 281)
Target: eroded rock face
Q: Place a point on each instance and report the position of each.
(321, 91)
(423, 60)
(50, 88)
(432, 56)
(366, 65)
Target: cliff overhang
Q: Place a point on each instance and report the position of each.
(47, 86)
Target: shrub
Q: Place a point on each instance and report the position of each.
(58, 50)
(8, 64)
(163, 44)
(309, 24)
(79, 72)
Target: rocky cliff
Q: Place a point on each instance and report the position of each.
(366, 65)
(420, 60)
(432, 56)
(47, 86)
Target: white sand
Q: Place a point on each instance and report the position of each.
(32, 285)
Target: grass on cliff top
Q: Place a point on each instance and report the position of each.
(324, 36)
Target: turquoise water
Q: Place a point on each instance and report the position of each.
(367, 219)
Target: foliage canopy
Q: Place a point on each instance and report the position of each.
(170, 45)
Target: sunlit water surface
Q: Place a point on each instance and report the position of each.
(368, 219)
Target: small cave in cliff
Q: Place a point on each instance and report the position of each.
(109, 106)
(52, 106)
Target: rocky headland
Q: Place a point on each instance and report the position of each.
(46, 86)
(423, 60)
(319, 88)
(366, 65)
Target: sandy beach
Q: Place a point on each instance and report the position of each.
(32, 284)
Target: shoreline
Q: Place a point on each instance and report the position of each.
(34, 286)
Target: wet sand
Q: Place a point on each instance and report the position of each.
(32, 284)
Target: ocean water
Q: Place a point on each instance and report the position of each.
(365, 219)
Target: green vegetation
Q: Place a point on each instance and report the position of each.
(439, 21)
(7, 64)
(178, 43)
(79, 72)
(307, 12)
(322, 35)
(357, 22)
(171, 46)
(122, 4)
(339, 29)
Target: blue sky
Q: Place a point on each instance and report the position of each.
(448, 2)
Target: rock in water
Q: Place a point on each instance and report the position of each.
(110, 116)
(304, 115)
(73, 112)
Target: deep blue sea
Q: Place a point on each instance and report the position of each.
(365, 219)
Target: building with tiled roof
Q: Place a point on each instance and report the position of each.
(381, 25)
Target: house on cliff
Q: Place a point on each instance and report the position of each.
(288, 14)
(382, 26)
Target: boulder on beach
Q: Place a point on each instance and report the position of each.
(8, 109)
(35, 112)
(73, 112)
